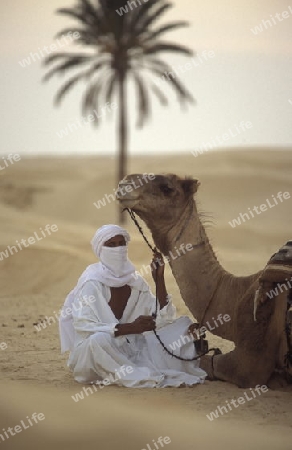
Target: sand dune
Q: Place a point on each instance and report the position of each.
(35, 280)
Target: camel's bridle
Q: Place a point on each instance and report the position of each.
(201, 342)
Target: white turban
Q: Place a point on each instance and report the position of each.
(105, 233)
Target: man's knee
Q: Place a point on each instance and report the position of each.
(186, 320)
(101, 339)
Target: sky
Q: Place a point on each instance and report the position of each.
(243, 91)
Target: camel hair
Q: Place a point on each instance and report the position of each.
(167, 205)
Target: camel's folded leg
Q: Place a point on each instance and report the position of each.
(261, 342)
(234, 367)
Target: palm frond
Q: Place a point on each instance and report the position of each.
(110, 87)
(51, 58)
(69, 30)
(74, 13)
(95, 102)
(152, 18)
(93, 14)
(96, 67)
(163, 29)
(86, 14)
(140, 14)
(88, 8)
(155, 63)
(90, 97)
(143, 100)
(87, 37)
(183, 94)
(67, 86)
(71, 62)
(168, 47)
(159, 94)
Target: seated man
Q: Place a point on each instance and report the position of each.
(109, 325)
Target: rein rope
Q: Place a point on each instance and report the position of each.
(133, 217)
(154, 250)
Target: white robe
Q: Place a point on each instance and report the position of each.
(98, 354)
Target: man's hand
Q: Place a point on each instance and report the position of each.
(157, 266)
(143, 323)
(195, 330)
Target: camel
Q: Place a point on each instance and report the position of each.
(257, 323)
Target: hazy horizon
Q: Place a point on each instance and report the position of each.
(145, 153)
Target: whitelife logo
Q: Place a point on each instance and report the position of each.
(274, 20)
(79, 123)
(259, 209)
(171, 256)
(63, 41)
(108, 198)
(110, 379)
(24, 425)
(199, 332)
(124, 9)
(257, 390)
(9, 160)
(180, 69)
(31, 240)
(3, 346)
(215, 142)
(47, 321)
(158, 444)
(275, 292)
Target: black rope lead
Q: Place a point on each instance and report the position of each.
(216, 351)
(173, 355)
(133, 217)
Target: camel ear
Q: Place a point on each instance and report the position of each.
(190, 186)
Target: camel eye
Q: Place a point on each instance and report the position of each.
(166, 189)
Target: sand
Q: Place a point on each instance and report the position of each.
(35, 281)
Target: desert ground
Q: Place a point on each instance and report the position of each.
(34, 282)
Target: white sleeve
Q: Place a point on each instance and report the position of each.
(85, 311)
(165, 315)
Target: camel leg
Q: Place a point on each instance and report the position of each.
(255, 356)
(234, 367)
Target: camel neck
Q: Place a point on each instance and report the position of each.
(202, 281)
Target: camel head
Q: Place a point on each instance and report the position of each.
(161, 201)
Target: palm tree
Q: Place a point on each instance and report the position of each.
(118, 47)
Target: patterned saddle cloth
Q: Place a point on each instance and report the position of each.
(276, 278)
(279, 267)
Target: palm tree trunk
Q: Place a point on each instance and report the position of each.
(123, 139)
